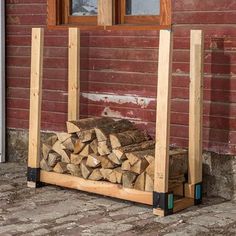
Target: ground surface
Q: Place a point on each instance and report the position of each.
(56, 211)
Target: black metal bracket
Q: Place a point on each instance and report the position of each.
(33, 175)
(198, 193)
(164, 201)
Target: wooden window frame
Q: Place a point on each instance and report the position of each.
(59, 17)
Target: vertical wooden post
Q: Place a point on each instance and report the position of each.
(74, 74)
(160, 195)
(195, 113)
(35, 107)
(105, 12)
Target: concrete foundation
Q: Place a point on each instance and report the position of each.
(219, 171)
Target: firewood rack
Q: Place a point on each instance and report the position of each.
(161, 199)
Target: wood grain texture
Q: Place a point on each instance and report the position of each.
(196, 106)
(163, 112)
(103, 188)
(74, 74)
(35, 97)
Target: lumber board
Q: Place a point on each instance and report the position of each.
(35, 99)
(97, 187)
(163, 112)
(195, 107)
(74, 74)
(105, 12)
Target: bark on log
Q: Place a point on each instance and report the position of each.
(86, 124)
(103, 132)
(121, 151)
(128, 138)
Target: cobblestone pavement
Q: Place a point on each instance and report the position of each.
(56, 211)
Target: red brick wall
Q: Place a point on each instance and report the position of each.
(118, 71)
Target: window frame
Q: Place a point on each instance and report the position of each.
(59, 17)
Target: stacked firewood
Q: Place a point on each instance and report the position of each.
(115, 151)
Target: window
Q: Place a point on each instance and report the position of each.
(120, 13)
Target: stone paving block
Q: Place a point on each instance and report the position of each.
(53, 211)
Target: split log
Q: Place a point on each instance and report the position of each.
(150, 170)
(114, 159)
(94, 146)
(134, 157)
(104, 148)
(128, 138)
(140, 182)
(86, 135)
(128, 179)
(76, 159)
(62, 137)
(118, 173)
(46, 149)
(69, 144)
(106, 163)
(85, 170)
(96, 175)
(53, 159)
(140, 166)
(109, 175)
(79, 146)
(126, 165)
(60, 168)
(51, 140)
(65, 154)
(149, 183)
(121, 151)
(103, 132)
(74, 170)
(86, 124)
(93, 161)
(86, 151)
(178, 162)
(44, 165)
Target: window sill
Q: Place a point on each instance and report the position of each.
(113, 27)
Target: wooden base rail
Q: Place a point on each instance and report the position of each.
(162, 199)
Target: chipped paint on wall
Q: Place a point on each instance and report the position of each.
(143, 102)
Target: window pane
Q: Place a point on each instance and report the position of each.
(84, 7)
(140, 7)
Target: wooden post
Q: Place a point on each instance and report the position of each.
(160, 195)
(105, 12)
(74, 74)
(35, 107)
(195, 113)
